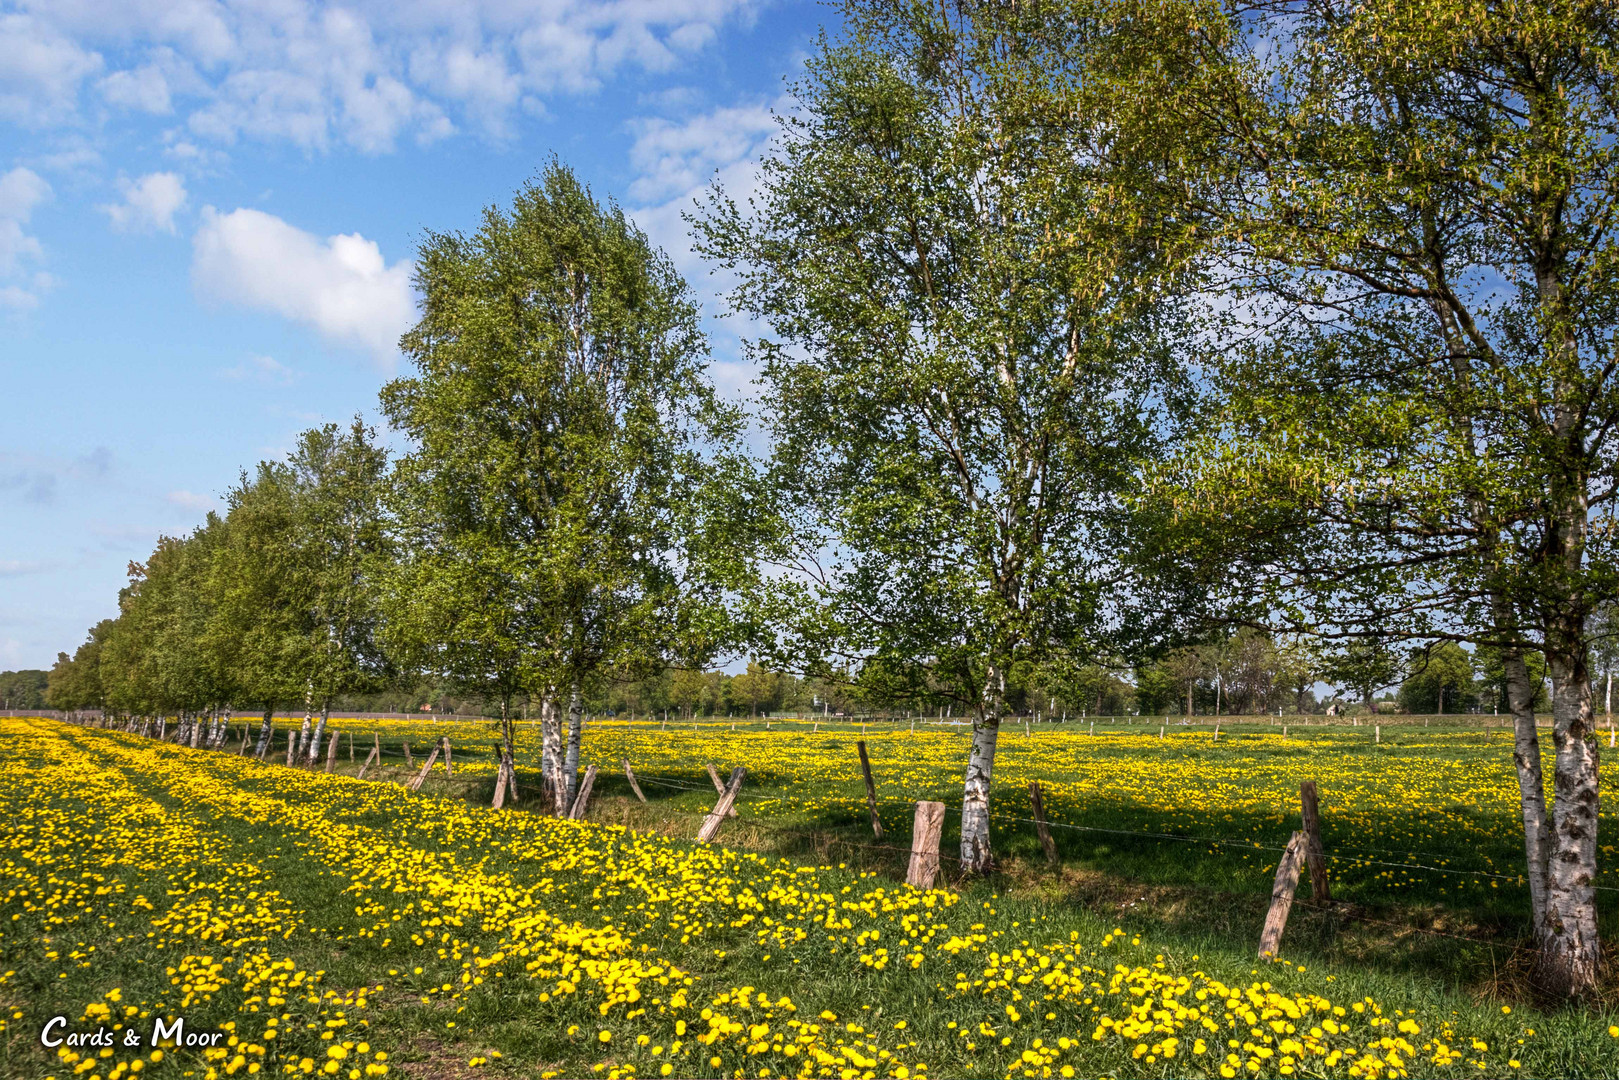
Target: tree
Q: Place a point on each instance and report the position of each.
(686, 690)
(75, 682)
(1411, 207)
(25, 689)
(337, 543)
(260, 618)
(755, 687)
(1442, 681)
(963, 362)
(563, 428)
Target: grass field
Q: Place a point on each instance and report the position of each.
(353, 929)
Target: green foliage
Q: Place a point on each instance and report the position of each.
(550, 506)
(964, 365)
(25, 689)
(74, 681)
(1441, 682)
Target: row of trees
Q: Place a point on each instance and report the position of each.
(1087, 330)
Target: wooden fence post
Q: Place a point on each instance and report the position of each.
(416, 784)
(1281, 897)
(1378, 738)
(500, 783)
(1315, 850)
(351, 745)
(871, 790)
(447, 770)
(725, 805)
(714, 775)
(292, 745)
(629, 774)
(925, 832)
(582, 800)
(1037, 800)
(331, 753)
(369, 758)
(410, 762)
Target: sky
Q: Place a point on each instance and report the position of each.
(209, 211)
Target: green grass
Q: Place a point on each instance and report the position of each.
(177, 826)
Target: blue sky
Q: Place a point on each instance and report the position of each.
(208, 211)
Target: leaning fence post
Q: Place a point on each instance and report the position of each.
(725, 805)
(925, 832)
(871, 790)
(629, 774)
(1037, 800)
(416, 784)
(714, 775)
(369, 758)
(582, 800)
(1315, 850)
(1281, 897)
(502, 771)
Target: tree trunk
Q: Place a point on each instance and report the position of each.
(976, 856)
(570, 765)
(313, 754)
(303, 732)
(266, 729)
(553, 789)
(1570, 951)
(1531, 788)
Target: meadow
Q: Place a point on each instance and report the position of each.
(350, 928)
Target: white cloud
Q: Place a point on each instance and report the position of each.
(364, 74)
(40, 71)
(149, 203)
(678, 162)
(262, 369)
(190, 500)
(144, 89)
(674, 158)
(20, 191)
(340, 286)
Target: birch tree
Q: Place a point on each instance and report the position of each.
(962, 358)
(1413, 206)
(562, 432)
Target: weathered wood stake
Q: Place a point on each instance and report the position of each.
(871, 790)
(409, 761)
(582, 800)
(925, 832)
(1281, 897)
(416, 784)
(331, 753)
(447, 769)
(1037, 800)
(725, 806)
(629, 774)
(500, 785)
(714, 775)
(369, 758)
(1315, 850)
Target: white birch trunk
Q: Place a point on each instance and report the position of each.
(552, 787)
(313, 755)
(1570, 951)
(976, 856)
(266, 729)
(570, 764)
